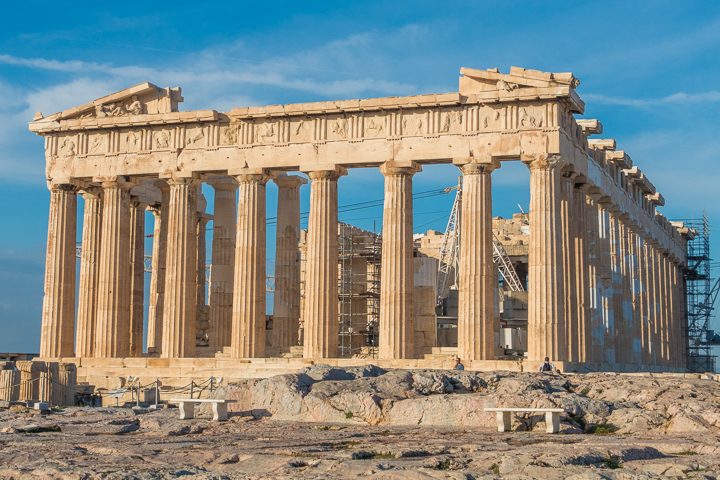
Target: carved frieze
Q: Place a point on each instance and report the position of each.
(97, 144)
(162, 139)
(229, 134)
(67, 146)
(301, 130)
(194, 136)
(337, 128)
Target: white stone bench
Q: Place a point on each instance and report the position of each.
(552, 417)
(187, 407)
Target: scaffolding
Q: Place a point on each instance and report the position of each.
(701, 293)
(359, 257)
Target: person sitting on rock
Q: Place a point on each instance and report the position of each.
(547, 366)
(458, 364)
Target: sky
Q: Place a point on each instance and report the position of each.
(649, 71)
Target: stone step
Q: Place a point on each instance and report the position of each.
(442, 357)
(444, 350)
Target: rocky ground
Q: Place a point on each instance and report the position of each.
(347, 423)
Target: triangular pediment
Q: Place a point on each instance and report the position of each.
(141, 99)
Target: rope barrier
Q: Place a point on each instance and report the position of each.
(193, 388)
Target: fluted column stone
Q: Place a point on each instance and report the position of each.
(137, 276)
(320, 306)
(89, 272)
(665, 324)
(592, 241)
(605, 280)
(113, 306)
(223, 261)
(635, 294)
(397, 326)
(248, 311)
(546, 292)
(580, 261)
(623, 296)
(179, 306)
(477, 323)
(567, 186)
(157, 276)
(612, 289)
(286, 308)
(58, 314)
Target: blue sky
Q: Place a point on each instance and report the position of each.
(649, 70)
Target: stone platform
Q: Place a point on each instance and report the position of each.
(111, 373)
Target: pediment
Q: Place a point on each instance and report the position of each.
(519, 83)
(142, 99)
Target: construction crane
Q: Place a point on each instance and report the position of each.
(450, 249)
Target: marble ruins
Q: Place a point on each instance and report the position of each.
(605, 269)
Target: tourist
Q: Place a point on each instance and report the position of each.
(458, 364)
(547, 366)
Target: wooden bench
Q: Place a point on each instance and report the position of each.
(552, 417)
(187, 407)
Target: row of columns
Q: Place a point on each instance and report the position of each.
(599, 290)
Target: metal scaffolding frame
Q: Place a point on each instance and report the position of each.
(701, 293)
(358, 291)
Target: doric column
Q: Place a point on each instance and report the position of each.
(58, 315)
(286, 308)
(157, 276)
(567, 185)
(202, 316)
(653, 274)
(646, 301)
(223, 261)
(580, 263)
(89, 272)
(605, 283)
(477, 324)
(592, 241)
(397, 326)
(614, 292)
(320, 307)
(680, 329)
(202, 222)
(113, 312)
(137, 276)
(179, 306)
(248, 312)
(635, 295)
(623, 305)
(665, 308)
(644, 290)
(546, 292)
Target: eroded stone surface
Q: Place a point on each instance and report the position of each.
(431, 426)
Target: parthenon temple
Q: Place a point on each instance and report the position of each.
(605, 269)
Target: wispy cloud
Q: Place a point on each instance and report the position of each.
(678, 98)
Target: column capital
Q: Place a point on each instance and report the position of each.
(115, 181)
(395, 168)
(289, 181)
(136, 202)
(63, 187)
(545, 162)
(90, 192)
(327, 173)
(476, 168)
(176, 181)
(223, 183)
(245, 178)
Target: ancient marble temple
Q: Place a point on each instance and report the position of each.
(605, 267)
